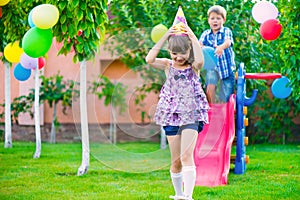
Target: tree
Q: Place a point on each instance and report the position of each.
(132, 21)
(114, 95)
(90, 20)
(55, 89)
(21, 104)
(84, 33)
(13, 18)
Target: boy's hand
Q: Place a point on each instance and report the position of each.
(219, 51)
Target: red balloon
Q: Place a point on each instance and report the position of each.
(270, 29)
(79, 33)
(41, 62)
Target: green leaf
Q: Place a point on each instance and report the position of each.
(74, 3)
(64, 28)
(83, 5)
(72, 30)
(79, 15)
(62, 19)
(90, 17)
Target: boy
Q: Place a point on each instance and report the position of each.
(220, 38)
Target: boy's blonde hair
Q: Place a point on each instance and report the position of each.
(217, 9)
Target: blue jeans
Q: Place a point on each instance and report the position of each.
(176, 130)
(226, 85)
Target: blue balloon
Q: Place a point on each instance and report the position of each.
(21, 73)
(30, 22)
(210, 60)
(280, 88)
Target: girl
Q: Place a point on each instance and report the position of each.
(183, 108)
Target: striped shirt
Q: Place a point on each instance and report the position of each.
(226, 64)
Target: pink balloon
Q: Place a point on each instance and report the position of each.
(28, 62)
(263, 11)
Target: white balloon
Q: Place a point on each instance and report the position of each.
(263, 11)
(28, 62)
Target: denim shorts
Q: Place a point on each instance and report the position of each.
(176, 130)
(226, 85)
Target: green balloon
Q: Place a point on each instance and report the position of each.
(37, 42)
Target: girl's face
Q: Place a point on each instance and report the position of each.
(215, 21)
(180, 58)
(180, 50)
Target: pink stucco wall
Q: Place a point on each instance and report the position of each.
(97, 112)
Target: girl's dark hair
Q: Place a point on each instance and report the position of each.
(181, 44)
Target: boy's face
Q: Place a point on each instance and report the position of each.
(215, 21)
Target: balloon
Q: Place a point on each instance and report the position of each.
(280, 88)
(210, 60)
(157, 32)
(41, 62)
(21, 73)
(270, 29)
(45, 16)
(28, 62)
(4, 2)
(37, 42)
(13, 52)
(263, 11)
(30, 22)
(79, 33)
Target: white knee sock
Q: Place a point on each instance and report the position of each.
(177, 183)
(189, 179)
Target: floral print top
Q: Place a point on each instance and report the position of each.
(182, 100)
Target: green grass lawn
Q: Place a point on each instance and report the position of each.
(137, 171)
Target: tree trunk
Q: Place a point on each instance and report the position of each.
(111, 127)
(53, 128)
(37, 114)
(84, 122)
(8, 137)
(163, 138)
(115, 126)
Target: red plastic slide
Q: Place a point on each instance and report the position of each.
(213, 149)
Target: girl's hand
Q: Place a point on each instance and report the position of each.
(171, 31)
(190, 33)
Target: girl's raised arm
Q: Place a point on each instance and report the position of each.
(197, 50)
(152, 59)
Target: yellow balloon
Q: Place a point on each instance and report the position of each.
(4, 2)
(157, 32)
(45, 16)
(13, 52)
